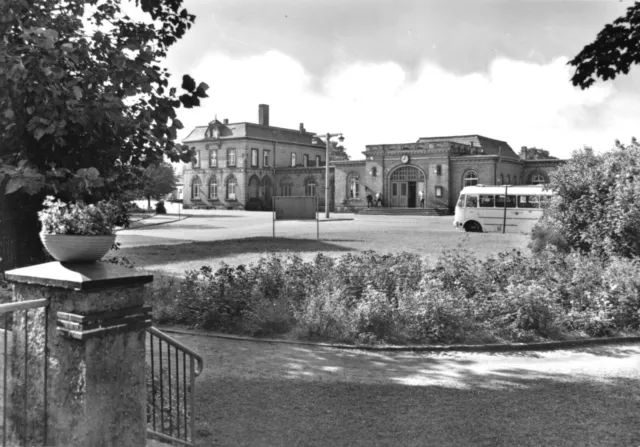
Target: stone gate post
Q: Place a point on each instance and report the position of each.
(95, 349)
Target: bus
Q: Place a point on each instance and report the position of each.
(484, 208)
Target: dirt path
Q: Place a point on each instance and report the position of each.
(278, 394)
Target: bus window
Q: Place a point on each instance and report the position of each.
(472, 202)
(528, 202)
(511, 201)
(486, 201)
(460, 203)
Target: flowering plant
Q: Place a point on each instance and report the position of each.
(58, 217)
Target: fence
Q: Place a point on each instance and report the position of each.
(170, 400)
(25, 400)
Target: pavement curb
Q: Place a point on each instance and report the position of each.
(507, 347)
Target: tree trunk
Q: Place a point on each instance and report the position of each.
(148, 202)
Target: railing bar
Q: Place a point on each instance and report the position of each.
(4, 385)
(26, 352)
(161, 388)
(169, 380)
(179, 345)
(184, 393)
(22, 305)
(46, 371)
(193, 400)
(153, 382)
(178, 391)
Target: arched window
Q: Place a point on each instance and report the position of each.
(196, 159)
(501, 180)
(293, 159)
(254, 184)
(538, 179)
(310, 188)
(470, 178)
(515, 179)
(213, 159)
(305, 160)
(231, 188)
(196, 183)
(286, 186)
(213, 188)
(508, 179)
(318, 160)
(353, 183)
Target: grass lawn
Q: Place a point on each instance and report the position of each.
(238, 237)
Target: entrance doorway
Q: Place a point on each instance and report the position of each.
(411, 198)
(405, 183)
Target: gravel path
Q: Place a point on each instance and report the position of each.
(268, 394)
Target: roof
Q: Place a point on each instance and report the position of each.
(490, 146)
(253, 130)
(518, 189)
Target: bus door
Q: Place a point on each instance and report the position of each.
(512, 221)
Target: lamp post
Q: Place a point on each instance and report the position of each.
(326, 169)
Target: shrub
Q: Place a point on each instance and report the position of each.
(160, 208)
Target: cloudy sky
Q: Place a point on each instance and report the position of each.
(392, 71)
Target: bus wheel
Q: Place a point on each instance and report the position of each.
(473, 227)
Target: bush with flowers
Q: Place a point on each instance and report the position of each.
(98, 219)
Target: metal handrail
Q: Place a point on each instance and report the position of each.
(176, 344)
(21, 305)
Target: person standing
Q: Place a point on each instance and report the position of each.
(369, 200)
(378, 199)
(421, 196)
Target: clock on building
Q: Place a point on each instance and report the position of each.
(404, 159)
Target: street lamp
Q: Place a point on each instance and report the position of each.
(327, 138)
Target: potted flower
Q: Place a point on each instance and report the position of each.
(78, 232)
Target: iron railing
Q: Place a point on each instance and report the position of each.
(170, 399)
(25, 401)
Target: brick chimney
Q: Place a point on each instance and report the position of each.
(263, 114)
(225, 121)
(302, 129)
(523, 152)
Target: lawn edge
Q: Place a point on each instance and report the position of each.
(506, 347)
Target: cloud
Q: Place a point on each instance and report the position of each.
(522, 102)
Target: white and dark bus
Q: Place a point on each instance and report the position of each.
(502, 209)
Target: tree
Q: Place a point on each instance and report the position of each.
(615, 50)
(84, 101)
(157, 181)
(598, 204)
(533, 153)
(338, 152)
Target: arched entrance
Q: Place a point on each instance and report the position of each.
(405, 184)
(266, 192)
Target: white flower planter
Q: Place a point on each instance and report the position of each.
(77, 248)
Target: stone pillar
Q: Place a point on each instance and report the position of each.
(95, 345)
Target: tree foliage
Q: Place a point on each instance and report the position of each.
(614, 51)
(82, 97)
(157, 181)
(338, 152)
(598, 204)
(533, 153)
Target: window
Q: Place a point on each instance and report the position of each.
(354, 186)
(528, 202)
(511, 201)
(213, 188)
(515, 179)
(213, 159)
(374, 171)
(538, 179)
(196, 159)
(254, 158)
(286, 189)
(501, 180)
(231, 188)
(318, 160)
(438, 169)
(310, 188)
(293, 159)
(265, 156)
(394, 189)
(471, 178)
(508, 179)
(486, 201)
(472, 202)
(461, 201)
(305, 160)
(231, 157)
(438, 191)
(196, 183)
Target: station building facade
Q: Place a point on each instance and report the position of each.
(243, 165)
